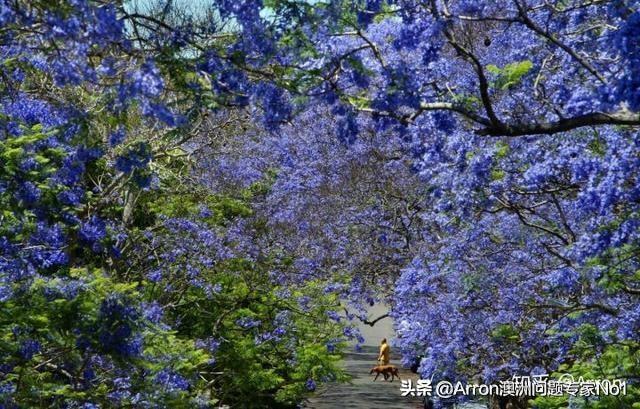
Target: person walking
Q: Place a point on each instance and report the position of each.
(385, 351)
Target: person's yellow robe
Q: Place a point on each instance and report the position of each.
(384, 353)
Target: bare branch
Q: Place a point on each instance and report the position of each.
(565, 124)
(372, 323)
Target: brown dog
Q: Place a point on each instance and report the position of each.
(385, 370)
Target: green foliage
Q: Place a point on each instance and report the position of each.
(57, 319)
(183, 205)
(502, 150)
(505, 332)
(251, 367)
(252, 372)
(510, 75)
(14, 151)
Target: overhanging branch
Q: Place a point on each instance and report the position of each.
(564, 125)
(372, 323)
(622, 117)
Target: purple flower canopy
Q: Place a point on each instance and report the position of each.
(473, 164)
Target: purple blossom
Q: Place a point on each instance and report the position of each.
(153, 312)
(248, 322)
(310, 385)
(29, 348)
(171, 381)
(93, 232)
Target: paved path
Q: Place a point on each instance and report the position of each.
(362, 392)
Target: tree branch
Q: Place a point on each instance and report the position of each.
(563, 125)
(372, 323)
(482, 78)
(538, 30)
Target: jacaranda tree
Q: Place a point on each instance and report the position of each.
(523, 118)
(124, 281)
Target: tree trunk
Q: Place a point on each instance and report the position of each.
(129, 204)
